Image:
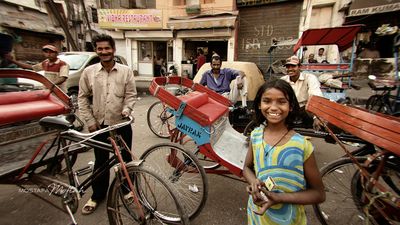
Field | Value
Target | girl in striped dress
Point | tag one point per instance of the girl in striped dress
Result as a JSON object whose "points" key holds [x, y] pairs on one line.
{"points": [[280, 165]]}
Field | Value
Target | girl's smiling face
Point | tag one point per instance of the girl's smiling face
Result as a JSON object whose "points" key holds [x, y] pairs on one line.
{"points": [[274, 106]]}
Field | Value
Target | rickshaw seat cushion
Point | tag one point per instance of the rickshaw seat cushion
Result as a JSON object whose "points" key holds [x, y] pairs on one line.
{"points": [[7, 98], [204, 104], [213, 109], [195, 99], [29, 105]]}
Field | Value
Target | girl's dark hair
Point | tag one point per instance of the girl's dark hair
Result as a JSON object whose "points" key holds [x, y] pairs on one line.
{"points": [[287, 90], [103, 37]]}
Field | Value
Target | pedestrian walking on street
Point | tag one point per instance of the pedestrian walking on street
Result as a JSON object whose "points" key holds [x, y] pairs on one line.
{"points": [[280, 165], [107, 94], [54, 68]]}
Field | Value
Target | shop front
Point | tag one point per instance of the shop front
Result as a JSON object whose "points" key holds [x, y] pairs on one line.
{"points": [[151, 51], [211, 34], [153, 57], [208, 47], [375, 47]]}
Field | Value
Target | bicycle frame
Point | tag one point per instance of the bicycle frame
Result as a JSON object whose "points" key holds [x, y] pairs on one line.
{"points": [[78, 138], [377, 129]]}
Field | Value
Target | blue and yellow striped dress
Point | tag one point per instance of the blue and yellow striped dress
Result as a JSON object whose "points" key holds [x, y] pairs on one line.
{"points": [[285, 165]]}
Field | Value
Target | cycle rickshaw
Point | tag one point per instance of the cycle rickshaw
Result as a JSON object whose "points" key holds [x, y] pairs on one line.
{"points": [[203, 116], [161, 122], [138, 194]]}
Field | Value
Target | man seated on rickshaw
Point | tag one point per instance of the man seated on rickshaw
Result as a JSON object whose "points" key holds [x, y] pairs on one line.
{"points": [[304, 85], [219, 80]]}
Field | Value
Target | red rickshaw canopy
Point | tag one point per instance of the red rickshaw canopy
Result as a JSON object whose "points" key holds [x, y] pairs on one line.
{"points": [[341, 36]]}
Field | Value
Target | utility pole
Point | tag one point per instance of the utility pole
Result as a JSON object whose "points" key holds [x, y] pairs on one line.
{"points": [[87, 19], [64, 24]]}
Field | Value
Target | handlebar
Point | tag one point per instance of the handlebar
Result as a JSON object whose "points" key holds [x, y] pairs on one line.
{"points": [[103, 130]]}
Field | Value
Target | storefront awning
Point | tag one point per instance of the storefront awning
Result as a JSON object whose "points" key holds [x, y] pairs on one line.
{"points": [[341, 36], [202, 23], [368, 7]]}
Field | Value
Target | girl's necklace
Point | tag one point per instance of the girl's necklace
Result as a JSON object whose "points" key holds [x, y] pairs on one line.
{"points": [[273, 146]]}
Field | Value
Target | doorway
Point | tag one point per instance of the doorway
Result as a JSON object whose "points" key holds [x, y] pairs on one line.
{"points": [[153, 58]]}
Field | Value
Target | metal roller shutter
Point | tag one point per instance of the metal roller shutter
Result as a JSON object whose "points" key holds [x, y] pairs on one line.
{"points": [[259, 25]]}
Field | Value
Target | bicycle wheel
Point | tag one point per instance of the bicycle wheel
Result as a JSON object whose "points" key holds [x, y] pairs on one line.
{"points": [[184, 171], [205, 162], [339, 205], [376, 103], [159, 120], [159, 201], [390, 179]]}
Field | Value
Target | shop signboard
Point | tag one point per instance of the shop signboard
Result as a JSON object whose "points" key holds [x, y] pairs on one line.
{"points": [[249, 3], [129, 19], [368, 7]]}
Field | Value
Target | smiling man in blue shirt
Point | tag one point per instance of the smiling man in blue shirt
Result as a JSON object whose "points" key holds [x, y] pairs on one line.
{"points": [[219, 80]]}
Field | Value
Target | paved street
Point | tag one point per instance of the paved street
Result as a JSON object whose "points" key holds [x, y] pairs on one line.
{"points": [[226, 203]]}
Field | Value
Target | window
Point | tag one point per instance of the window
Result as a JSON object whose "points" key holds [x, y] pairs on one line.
{"points": [[146, 50], [94, 15], [179, 2], [125, 4], [138, 4], [39, 3]]}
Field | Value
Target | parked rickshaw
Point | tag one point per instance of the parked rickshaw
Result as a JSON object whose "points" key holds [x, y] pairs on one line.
{"points": [[203, 116], [161, 122], [335, 78], [137, 195]]}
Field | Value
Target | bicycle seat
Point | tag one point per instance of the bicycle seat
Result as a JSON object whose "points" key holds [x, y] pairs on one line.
{"points": [[381, 86], [56, 122]]}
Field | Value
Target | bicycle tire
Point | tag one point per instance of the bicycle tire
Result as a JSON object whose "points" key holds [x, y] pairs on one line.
{"points": [[390, 176], [157, 210], [184, 171], [337, 178], [205, 162], [376, 103], [159, 120]]}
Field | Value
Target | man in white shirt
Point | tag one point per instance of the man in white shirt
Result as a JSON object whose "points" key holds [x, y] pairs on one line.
{"points": [[107, 94], [304, 86], [321, 58]]}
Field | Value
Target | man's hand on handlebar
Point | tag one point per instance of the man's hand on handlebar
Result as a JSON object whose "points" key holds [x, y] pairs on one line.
{"points": [[94, 127], [125, 114]]}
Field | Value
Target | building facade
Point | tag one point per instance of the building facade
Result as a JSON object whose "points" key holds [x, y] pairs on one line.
{"points": [[169, 33], [25, 28]]}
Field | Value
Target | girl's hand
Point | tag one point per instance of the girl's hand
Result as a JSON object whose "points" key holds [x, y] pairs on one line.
{"points": [[273, 198], [254, 190]]}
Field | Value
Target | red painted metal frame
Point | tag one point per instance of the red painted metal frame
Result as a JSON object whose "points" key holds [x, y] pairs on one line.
{"points": [[156, 88], [28, 74], [174, 102]]}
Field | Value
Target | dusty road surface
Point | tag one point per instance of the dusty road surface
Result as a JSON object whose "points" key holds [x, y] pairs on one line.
{"points": [[226, 203]]}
